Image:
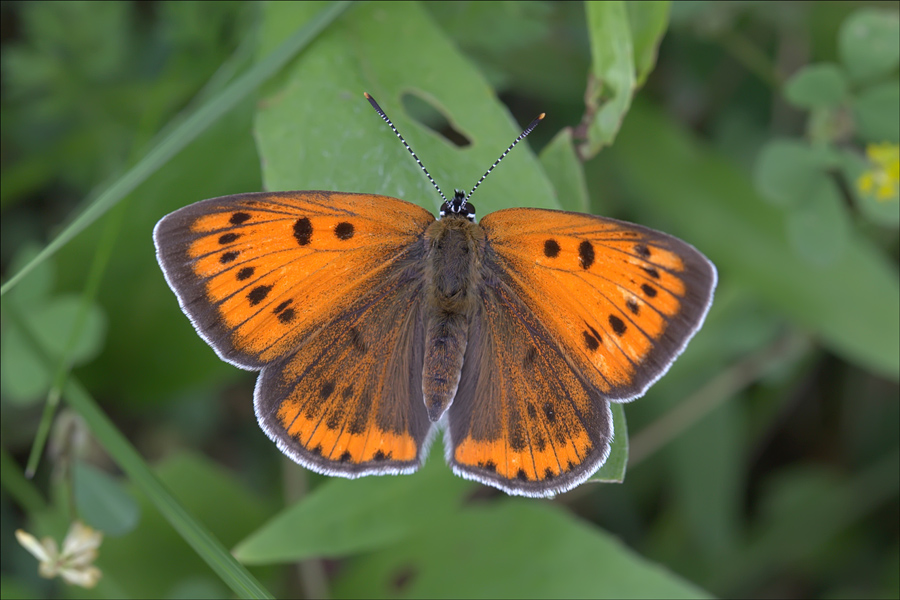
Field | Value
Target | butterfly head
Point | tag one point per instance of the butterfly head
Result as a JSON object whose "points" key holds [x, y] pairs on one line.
{"points": [[458, 207]]}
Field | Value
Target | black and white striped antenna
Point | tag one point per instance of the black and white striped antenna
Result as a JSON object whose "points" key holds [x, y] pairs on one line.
{"points": [[502, 156], [462, 200], [388, 121]]}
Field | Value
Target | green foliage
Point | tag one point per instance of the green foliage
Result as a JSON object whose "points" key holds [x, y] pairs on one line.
{"points": [[805, 177], [764, 463]]}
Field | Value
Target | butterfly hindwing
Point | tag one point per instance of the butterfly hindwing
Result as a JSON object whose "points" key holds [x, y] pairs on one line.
{"points": [[622, 300], [349, 400], [259, 273], [523, 419]]}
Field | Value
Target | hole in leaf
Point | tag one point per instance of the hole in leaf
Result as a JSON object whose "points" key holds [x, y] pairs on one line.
{"points": [[432, 118]]}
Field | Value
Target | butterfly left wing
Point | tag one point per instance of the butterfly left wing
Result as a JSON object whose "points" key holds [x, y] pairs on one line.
{"points": [[349, 401], [319, 290], [622, 300]]}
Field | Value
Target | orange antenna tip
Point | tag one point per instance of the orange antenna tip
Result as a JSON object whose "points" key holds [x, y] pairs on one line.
{"points": [[541, 116]]}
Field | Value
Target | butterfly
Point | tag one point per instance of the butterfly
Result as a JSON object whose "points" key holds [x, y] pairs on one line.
{"points": [[374, 325]]}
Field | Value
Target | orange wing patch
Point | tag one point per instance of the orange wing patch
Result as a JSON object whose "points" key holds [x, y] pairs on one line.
{"points": [[259, 273], [621, 299]]}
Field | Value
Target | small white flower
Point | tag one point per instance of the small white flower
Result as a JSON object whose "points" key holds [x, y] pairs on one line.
{"points": [[74, 564]]}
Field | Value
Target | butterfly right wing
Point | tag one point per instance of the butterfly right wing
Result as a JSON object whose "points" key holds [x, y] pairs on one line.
{"points": [[523, 420]]}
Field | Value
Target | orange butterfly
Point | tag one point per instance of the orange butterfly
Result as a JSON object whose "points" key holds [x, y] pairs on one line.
{"points": [[373, 325]]}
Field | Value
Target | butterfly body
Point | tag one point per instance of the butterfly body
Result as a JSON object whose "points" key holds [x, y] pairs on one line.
{"points": [[455, 247]]}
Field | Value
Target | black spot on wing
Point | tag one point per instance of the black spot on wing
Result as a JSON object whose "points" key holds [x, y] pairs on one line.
{"points": [[283, 306], [488, 465], [228, 238], [258, 294], [649, 290], [551, 248], [633, 306], [618, 325], [303, 231], [228, 257], [245, 273], [239, 218], [586, 254], [344, 231], [651, 272], [287, 316], [642, 250], [590, 342]]}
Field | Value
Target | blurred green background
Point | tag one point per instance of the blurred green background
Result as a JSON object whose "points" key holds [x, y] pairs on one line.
{"points": [[766, 134]]}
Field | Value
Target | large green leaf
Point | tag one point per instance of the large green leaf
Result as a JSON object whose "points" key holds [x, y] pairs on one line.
{"points": [[511, 549], [343, 517], [316, 131]]}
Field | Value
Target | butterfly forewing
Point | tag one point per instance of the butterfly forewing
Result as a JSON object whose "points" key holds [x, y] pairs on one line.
{"points": [[258, 273], [622, 300]]}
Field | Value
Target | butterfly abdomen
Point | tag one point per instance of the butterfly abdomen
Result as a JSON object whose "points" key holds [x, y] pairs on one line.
{"points": [[454, 250]]}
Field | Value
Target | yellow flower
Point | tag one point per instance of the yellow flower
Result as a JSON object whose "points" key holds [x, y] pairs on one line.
{"points": [[73, 564], [882, 179]]}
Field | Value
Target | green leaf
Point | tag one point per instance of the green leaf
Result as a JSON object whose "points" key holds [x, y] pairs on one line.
{"points": [[869, 43], [102, 501], [565, 172], [510, 549], [710, 203], [877, 112], [613, 72], [613, 470], [341, 144], [707, 477], [648, 22], [220, 500], [343, 517], [818, 227], [25, 376], [820, 85], [787, 171]]}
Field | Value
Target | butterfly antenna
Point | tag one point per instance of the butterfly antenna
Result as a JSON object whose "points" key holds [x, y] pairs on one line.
{"points": [[388, 121], [502, 156]]}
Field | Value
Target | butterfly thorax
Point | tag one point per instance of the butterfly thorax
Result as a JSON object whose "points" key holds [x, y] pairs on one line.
{"points": [[454, 250]]}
